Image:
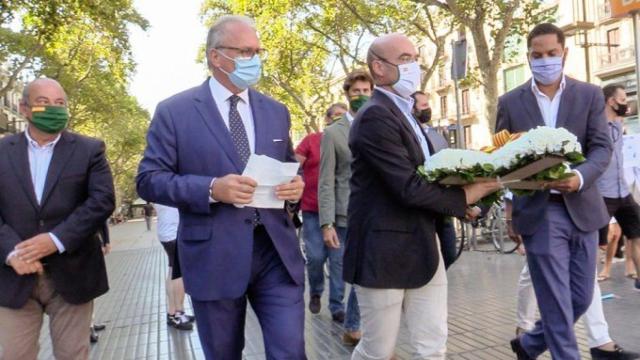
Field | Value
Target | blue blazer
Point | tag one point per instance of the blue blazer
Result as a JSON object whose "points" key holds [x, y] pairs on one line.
{"points": [[582, 113], [188, 145]]}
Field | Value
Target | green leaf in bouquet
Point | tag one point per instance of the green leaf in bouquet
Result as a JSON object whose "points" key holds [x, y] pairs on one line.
{"points": [[575, 157]]}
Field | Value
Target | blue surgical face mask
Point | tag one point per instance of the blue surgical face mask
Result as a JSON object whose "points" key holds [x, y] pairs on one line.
{"points": [[247, 72], [546, 70]]}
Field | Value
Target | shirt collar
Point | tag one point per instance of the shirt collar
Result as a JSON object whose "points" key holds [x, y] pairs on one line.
{"points": [[405, 105], [221, 94], [537, 92], [349, 116], [34, 144]]}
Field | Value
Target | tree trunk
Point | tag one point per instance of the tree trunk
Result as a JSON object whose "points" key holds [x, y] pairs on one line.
{"points": [[491, 100]]}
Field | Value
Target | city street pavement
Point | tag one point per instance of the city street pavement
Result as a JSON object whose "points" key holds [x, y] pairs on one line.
{"points": [[482, 298]]}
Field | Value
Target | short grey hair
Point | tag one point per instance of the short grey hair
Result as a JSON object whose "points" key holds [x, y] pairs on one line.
{"points": [[217, 31]]}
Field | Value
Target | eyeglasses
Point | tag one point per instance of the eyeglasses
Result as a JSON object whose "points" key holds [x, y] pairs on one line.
{"points": [[404, 59], [246, 52]]}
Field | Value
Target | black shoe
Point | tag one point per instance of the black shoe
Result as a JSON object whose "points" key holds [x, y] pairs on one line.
{"points": [[636, 285], [617, 354], [338, 317], [179, 322], [93, 336], [517, 348], [99, 327], [314, 304], [189, 318]]}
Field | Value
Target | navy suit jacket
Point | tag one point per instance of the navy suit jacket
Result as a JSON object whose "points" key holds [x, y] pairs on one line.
{"points": [[392, 210], [77, 200], [582, 113], [188, 145]]}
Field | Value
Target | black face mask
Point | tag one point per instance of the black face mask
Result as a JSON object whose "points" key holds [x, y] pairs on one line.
{"points": [[423, 116], [621, 110]]}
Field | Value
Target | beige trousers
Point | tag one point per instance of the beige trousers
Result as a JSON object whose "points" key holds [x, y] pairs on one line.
{"points": [[68, 325], [425, 312]]}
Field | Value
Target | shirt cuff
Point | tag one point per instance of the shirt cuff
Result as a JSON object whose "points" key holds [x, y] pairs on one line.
{"points": [[211, 199], [11, 254], [56, 241], [508, 195], [581, 179]]}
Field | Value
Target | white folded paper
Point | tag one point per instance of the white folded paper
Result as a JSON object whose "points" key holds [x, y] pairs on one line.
{"points": [[268, 173]]}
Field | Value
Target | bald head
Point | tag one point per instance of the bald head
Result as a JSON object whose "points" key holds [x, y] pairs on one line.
{"points": [[385, 53], [44, 91]]}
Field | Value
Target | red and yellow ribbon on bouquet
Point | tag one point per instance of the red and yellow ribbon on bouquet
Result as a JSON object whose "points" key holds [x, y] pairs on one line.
{"points": [[499, 140]]}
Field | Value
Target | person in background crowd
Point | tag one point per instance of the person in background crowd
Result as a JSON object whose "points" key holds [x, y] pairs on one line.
{"points": [[333, 192], [56, 192], [105, 240], [198, 143], [444, 225], [148, 214], [317, 254], [613, 186], [334, 113], [560, 237], [168, 221]]}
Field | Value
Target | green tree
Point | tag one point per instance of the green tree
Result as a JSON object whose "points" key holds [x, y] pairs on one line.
{"points": [[491, 23]]}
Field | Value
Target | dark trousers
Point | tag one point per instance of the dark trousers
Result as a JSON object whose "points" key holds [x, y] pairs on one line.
{"points": [[447, 235], [277, 301], [562, 263]]}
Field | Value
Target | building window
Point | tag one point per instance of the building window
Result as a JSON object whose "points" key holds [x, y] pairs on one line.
{"points": [[467, 136], [465, 101], [443, 106], [442, 76], [513, 77], [613, 41]]}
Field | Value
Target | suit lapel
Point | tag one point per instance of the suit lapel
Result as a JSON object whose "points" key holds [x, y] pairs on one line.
{"points": [[387, 102], [530, 105], [20, 162], [61, 155], [566, 101], [213, 120], [259, 121]]}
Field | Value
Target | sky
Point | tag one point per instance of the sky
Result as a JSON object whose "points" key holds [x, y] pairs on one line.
{"points": [[166, 53]]}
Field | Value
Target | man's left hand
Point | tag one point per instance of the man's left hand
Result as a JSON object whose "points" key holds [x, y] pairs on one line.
{"points": [[472, 213], [106, 248], [36, 248], [291, 191], [568, 185]]}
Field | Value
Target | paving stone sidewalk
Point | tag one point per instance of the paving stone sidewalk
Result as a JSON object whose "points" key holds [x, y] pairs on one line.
{"points": [[482, 299]]}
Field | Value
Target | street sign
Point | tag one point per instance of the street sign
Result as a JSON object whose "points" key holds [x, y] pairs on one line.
{"points": [[459, 63], [621, 8]]}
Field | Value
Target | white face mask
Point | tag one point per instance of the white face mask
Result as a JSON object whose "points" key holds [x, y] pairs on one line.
{"points": [[409, 78]]}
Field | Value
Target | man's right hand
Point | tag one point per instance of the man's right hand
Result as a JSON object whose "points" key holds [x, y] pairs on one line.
{"points": [[330, 237], [25, 268], [515, 237], [476, 191], [233, 189]]}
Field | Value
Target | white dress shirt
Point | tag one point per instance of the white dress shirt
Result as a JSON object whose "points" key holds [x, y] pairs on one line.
{"points": [[39, 161], [549, 110], [168, 220], [406, 106], [221, 97], [349, 117]]}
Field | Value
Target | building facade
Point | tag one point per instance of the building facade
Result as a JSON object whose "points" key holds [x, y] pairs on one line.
{"points": [[11, 121]]}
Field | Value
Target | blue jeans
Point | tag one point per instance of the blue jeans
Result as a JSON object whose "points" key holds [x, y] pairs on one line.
{"points": [[352, 316], [317, 254]]}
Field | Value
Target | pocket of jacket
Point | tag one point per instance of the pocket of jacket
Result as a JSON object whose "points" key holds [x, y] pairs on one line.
{"points": [[196, 233]]}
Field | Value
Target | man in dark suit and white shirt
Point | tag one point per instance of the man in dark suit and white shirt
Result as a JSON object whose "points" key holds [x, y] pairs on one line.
{"points": [[56, 192], [391, 254], [559, 227]]}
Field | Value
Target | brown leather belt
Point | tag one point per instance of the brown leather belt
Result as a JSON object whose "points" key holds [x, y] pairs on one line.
{"points": [[556, 198]]}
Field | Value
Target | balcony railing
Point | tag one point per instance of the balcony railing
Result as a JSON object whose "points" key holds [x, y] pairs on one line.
{"points": [[616, 57]]}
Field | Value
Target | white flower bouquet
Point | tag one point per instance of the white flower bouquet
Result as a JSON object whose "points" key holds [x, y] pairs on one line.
{"points": [[540, 155]]}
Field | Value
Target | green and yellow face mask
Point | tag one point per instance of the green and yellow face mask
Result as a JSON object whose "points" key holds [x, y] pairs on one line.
{"points": [[49, 119], [356, 102]]}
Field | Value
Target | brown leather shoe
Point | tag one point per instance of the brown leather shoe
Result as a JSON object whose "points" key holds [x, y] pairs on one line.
{"points": [[314, 304], [351, 338]]}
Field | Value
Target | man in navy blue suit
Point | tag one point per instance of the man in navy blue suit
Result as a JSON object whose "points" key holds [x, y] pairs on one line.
{"points": [[560, 226], [199, 142]]}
